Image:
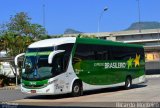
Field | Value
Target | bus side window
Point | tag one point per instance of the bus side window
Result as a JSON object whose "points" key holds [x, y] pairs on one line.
{"points": [[105, 55], [101, 55], [65, 61], [57, 65], [60, 64]]}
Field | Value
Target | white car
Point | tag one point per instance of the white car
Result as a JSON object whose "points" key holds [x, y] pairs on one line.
{"points": [[7, 69]]}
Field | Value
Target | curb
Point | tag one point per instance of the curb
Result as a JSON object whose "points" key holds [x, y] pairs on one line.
{"points": [[152, 76], [10, 88]]}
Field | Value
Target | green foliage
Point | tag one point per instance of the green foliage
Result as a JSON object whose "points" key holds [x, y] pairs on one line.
{"points": [[57, 36], [18, 33], [14, 44], [86, 36], [20, 24], [42, 37], [37, 31], [3, 28]]}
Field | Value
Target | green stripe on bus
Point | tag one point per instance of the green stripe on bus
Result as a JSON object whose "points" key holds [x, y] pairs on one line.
{"points": [[44, 53], [25, 82], [31, 54], [37, 54]]}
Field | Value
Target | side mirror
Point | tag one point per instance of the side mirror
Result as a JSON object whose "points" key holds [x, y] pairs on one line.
{"points": [[52, 55], [16, 58]]}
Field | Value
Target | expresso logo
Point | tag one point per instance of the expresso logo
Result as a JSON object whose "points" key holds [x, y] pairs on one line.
{"points": [[32, 83]]}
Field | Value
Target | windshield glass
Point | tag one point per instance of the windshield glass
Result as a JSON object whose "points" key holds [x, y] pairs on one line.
{"points": [[36, 67]]}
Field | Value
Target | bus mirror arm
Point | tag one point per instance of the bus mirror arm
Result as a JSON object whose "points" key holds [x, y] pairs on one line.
{"points": [[16, 58], [52, 54]]}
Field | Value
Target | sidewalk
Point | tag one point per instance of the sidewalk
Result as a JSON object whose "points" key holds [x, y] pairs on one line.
{"points": [[153, 76]]}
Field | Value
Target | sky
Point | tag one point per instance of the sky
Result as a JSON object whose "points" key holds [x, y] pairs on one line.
{"points": [[82, 15]]}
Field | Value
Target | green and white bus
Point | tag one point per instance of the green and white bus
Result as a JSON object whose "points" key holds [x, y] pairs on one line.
{"points": [[73, 65]]}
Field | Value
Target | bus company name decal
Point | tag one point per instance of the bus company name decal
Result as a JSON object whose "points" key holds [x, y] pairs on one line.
{"points": [[120, 65], [111, 65], [115, 65]]}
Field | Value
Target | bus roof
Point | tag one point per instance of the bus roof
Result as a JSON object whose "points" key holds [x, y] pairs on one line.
{"points": [[65, 40], [52, 42], [105, 42]]}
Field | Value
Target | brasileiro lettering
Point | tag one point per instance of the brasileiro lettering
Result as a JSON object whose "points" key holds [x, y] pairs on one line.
{"points": [[115, 65]]}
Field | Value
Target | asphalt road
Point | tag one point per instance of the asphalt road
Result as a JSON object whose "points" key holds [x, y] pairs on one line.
{"points": [[147, 92]]}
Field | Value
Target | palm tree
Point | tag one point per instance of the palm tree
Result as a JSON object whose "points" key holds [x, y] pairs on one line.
{"points": [[1, 44], [14, 44]]}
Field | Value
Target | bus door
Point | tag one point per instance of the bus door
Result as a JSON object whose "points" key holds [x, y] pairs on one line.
{"points": [[59, 67]]}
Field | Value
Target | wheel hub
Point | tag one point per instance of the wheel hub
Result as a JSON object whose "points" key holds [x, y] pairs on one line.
{"points": [[76, 89]]}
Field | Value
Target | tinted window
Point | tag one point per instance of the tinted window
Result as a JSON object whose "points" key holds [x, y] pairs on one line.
{"points": [[64, 59], [40, 49], [103, 52], [92, 52], [124, 53], [66, 47]]}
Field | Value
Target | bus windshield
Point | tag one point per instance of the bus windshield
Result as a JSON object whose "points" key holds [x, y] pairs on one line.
{"points": [[36, 67]]}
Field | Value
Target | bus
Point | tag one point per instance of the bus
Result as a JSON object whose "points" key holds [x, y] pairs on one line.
{"points": [[74, 64]]}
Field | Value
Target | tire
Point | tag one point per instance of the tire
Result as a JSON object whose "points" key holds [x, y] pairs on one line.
{"points": [[1, 82], [77, 89], [128, 83]]}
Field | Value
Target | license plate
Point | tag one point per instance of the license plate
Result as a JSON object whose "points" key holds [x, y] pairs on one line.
{"points": [[33, 91]]}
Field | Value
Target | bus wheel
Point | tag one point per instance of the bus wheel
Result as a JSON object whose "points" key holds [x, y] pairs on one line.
{"points": [[128, 83], [77, 89]]}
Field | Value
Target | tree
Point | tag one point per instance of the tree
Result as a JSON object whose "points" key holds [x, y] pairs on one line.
{"points": [[18, 33], [14, 44], [37, 31], [1, 44], [20, 24], [3, 28], [44, 37], [86, 36]]}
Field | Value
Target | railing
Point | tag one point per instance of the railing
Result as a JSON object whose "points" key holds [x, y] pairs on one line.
{"points": [[9, 59]]}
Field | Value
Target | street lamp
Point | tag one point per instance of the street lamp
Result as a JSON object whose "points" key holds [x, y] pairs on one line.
{"points": [[44, 16], [158, 35], [105, 9], [139, 16]]}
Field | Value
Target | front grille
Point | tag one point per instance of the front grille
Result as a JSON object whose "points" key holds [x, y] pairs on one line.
{"points": [[34, 86]]}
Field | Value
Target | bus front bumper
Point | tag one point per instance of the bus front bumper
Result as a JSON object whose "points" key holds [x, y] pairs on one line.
{"points": [[49, 89]]}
